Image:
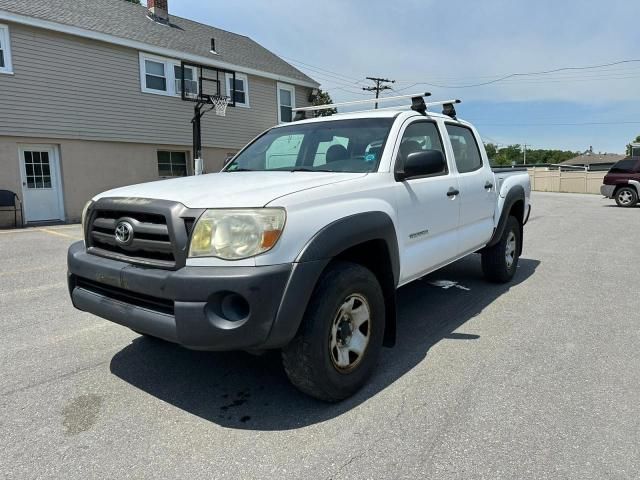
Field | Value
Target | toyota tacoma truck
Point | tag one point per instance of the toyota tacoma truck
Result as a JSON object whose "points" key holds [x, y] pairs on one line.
{"points": [[301, 241]]}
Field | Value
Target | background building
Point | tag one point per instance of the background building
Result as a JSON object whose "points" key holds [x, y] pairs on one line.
{"points": [[89, 98]]}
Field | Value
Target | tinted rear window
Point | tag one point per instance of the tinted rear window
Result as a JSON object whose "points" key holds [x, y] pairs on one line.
{"points": [[624, 166]]}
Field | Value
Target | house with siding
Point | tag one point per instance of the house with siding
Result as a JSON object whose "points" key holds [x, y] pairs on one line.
{"points": [[90, 98]]}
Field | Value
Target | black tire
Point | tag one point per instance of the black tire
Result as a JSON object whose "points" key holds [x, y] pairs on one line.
{"points": [[309, 360], [495, 266], [626, 197]]}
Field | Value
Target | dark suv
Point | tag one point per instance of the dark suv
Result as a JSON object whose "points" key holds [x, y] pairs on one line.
{"points": [[622, 182]]}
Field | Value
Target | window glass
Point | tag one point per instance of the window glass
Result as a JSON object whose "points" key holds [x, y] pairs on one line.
{"points": [[4, 49], [172, 164], [283, 152], [323, 147], [624, 166], [419, 136], [465, 149], [286, 104], [337, 146], [155, 75], [37, 169], [240, 91], [190, 82]]}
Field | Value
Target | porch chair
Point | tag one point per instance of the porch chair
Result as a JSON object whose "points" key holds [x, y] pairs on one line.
{"points": [[8, 200]]}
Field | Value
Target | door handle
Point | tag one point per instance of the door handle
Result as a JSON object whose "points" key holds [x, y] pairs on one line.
{"points": [[453, 192], [488, 185]]}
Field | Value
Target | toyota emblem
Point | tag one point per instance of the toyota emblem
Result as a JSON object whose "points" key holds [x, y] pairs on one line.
{"points": [[124, 233]]}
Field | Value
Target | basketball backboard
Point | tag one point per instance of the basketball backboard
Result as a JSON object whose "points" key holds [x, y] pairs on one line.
{"points": [[200, 83]]}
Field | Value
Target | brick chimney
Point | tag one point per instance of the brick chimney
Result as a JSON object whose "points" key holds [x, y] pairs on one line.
{"points": [[158, 9]]}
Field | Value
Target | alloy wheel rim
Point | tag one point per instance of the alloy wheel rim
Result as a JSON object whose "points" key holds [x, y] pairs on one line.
{"points": [[510, 250], [350, 333], [624, 197]]}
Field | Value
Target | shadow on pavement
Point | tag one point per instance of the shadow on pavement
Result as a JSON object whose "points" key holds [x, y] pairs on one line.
{"points": [[237, 390]]}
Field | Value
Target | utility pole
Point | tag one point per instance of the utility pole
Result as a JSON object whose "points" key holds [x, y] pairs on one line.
{"points": [[379, 86], [524, 145]]}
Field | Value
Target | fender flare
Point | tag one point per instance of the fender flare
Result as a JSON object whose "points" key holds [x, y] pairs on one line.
{"points": [[350, 231], [636, 184], [516, 193], [325, 245]]}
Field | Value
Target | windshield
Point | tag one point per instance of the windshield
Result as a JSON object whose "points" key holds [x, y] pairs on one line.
{"points": [[331, 146]]}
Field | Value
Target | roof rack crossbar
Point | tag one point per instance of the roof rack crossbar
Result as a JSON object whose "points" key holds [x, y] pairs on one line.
{"points": [[359, 102]]}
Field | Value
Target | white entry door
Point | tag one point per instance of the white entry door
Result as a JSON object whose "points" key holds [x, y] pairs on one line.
{"points": [[41, 185]]}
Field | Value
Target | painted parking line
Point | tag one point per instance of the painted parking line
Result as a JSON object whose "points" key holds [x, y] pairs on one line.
{"points": [[60, 234], [25, 270]]}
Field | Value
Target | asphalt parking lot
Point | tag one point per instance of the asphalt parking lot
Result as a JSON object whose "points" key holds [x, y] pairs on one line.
{"points": [[538, 379]]}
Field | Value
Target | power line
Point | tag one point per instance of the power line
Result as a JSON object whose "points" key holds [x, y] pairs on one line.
{"points": [[513, 75], [379, 86]]}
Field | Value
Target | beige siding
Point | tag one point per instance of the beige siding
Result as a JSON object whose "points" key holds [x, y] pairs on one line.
{"points": [[67, 87], [91, 167]]}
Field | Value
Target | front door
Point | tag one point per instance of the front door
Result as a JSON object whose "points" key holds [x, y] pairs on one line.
{"points": [[41, 186], [428, 212]]}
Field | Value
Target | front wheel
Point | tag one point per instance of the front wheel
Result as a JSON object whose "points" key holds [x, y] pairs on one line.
{"points": [[338, 343], [499, 262], [626, 197]]}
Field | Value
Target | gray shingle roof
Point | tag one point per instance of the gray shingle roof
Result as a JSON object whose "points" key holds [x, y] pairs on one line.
{"points": [[594, 159], [129, 21]]}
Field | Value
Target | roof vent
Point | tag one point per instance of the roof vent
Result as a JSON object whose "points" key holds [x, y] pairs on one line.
{"points": [[158, 10], [213, 46]]}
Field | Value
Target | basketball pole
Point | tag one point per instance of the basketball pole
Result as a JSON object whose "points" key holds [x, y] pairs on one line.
{"points": [[197, 139]]}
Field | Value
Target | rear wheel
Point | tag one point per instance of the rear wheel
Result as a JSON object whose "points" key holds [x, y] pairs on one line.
{"points": [[499, 262], [340, 338], [626, 197]]}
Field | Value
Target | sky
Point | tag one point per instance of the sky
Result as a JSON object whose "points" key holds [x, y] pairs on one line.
{"points": [[445, 46]]}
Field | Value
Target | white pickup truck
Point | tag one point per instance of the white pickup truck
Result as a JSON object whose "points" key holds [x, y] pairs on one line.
{"points": [[301, 241]]}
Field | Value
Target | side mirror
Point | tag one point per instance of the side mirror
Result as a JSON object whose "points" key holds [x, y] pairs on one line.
{"points": [[421, 164]]}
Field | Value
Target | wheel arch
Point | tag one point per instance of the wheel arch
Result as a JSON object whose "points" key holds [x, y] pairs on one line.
{"points": [[514, 205], [370, 240]]}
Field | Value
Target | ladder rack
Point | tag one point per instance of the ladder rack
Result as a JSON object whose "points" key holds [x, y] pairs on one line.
{"points": [[417, 103], [360, 102]]}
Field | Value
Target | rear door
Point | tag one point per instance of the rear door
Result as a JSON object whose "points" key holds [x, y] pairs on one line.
{"points": [[477, 189], [428, 213], [41, 183]]}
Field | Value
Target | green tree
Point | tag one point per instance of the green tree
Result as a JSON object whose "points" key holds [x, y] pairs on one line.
{"points": [[492, 150], [323, 98], [637, 140]]}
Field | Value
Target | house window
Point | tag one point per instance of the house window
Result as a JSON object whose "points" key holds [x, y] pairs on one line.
{"points": [[5, 50], [242, 89], [163, 76], [172, 164], [155, 75], [190, 80], [286, 102]]}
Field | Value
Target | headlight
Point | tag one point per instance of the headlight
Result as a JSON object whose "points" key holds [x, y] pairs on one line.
{"points": [[84, 215], [236, 234]]}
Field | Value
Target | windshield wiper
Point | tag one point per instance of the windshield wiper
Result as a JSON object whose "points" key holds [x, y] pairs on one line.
{"points": [[304, 169], [240, 170]]}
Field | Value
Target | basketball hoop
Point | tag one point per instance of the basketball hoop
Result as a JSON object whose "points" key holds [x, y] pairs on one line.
{"points": [[220, 103]]}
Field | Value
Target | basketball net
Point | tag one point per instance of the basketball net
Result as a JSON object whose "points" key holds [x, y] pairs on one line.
{"points": [[220, 103]]}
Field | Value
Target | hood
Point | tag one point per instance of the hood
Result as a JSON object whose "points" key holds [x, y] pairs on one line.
{"points": [[230, 190]]}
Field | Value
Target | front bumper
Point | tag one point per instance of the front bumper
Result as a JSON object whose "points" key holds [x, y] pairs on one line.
{"points": [[204, 308], [607, 190]]}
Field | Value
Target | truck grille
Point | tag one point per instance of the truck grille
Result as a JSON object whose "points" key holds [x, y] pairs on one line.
{"points": [[155, 232]]}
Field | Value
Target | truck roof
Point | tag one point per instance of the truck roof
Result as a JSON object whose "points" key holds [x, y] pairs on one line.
{"points": [[380, 113]]}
